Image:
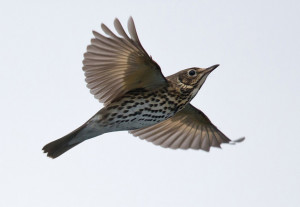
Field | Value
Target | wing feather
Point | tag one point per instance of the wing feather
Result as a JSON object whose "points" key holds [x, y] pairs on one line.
{"points": [[188, 128], [114, 65]]}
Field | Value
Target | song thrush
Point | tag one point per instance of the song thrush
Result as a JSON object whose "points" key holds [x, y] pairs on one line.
{"points": [[137, 97]]}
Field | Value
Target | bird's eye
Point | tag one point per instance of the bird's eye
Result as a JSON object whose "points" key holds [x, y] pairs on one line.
{"points": [[192, 72]]}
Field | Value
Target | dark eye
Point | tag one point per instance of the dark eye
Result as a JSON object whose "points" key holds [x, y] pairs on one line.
{"points": [[192, 72]]}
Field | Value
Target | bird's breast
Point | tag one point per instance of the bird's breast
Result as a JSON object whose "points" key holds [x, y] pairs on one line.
{"points": [[139, 109]]}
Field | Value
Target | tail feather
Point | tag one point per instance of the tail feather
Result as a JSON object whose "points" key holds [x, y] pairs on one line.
{"points": [[60, 146]]}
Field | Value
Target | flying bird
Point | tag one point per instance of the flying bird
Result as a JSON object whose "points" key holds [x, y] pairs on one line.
{"points": [[137, 97]]}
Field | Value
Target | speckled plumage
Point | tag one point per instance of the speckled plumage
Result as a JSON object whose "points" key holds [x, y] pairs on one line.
{"points": [[138, 98], [141, 108]]}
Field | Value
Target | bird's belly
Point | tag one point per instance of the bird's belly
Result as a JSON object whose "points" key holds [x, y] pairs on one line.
{"points": [[135, 116], [148, 118]]}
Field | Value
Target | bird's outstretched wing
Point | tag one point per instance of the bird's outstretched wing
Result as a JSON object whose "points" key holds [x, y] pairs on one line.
{"points": [[189, 128], [114, 65]]}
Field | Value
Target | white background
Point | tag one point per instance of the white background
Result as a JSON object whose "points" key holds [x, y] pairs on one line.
{"points": [[254, 93]]}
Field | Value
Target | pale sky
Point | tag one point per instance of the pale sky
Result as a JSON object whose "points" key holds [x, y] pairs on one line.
{"points": [[254, 93]]}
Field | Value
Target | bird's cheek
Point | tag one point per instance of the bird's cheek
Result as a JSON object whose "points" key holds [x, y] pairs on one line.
{"points": [[187, 81]]}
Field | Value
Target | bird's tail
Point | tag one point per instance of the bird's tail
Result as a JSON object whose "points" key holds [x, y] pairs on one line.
{"points": [[60, 146]]}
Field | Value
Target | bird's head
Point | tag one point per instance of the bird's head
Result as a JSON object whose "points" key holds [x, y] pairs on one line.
{"points": [[190, 80]]}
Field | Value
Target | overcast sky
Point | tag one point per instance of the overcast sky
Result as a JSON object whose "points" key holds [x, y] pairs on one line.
{"points": [[254, 93]]}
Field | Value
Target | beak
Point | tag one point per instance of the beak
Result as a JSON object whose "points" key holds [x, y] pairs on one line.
{"points": [[211, 68]]}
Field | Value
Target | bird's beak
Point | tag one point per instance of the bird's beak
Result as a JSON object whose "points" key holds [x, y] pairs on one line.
{"points": [[211, 68]]}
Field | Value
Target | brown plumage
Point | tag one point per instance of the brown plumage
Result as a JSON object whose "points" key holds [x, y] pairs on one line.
{"points": [[138, 98]]}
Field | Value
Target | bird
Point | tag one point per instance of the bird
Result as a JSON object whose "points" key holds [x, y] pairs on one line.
{"points": [[138, 98]]}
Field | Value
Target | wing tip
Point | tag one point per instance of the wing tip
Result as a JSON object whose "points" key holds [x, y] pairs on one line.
{"points": [[104, 27], [130, 19], [95, 33], [237, 140]]}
